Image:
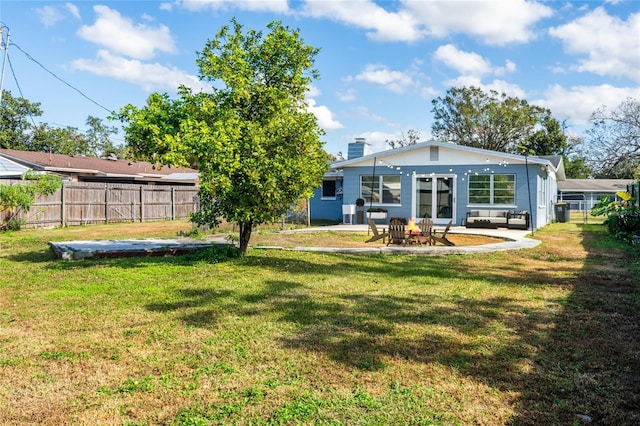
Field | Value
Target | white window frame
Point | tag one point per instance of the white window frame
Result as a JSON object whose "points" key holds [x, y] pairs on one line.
{"points": [[492, 191], [380, 191]]}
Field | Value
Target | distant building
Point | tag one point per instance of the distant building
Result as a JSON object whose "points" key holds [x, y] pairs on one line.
{"points": [[583, 194], [79, 168]]}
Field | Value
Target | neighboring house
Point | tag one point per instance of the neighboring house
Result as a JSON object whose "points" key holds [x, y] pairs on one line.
{"points": [[10, 169], [441, 181], [76, 168], [583, 194]]}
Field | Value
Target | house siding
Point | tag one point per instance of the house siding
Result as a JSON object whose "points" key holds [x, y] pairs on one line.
{"points": [[326, 209], [461, 194], [535, 178]]}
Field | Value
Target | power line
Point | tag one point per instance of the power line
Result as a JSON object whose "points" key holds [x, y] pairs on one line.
{"points": [[18, 86], [60, 79]]}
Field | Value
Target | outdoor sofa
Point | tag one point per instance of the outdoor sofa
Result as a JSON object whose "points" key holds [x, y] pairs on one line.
{"points": [[497, 218]]}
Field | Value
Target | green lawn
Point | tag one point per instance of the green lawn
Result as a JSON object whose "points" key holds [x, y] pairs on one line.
{"points": [[536, 336]]}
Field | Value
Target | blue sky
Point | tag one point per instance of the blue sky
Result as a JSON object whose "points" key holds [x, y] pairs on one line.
{"points": [[381, 62]]}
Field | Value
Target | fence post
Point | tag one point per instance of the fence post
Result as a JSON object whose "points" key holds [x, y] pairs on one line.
{"points": [[141, 203], [106, 203], [63, 206], [173, 203]]}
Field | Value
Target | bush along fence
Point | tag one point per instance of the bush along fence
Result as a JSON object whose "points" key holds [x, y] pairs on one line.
{"points": [[83, 203]]}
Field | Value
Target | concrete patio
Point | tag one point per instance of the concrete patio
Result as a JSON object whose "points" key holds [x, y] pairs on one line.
{"points": [[75, 250]]}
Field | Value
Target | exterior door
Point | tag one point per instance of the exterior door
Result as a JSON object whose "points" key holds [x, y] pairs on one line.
{"points": [[434, 198]]}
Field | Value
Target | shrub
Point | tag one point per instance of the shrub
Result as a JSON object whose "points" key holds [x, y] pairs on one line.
{"points": [[622, 218], [17, 198]]}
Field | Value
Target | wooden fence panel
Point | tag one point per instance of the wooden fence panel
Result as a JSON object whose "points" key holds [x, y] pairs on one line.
{"points": [[184, 200], [123, 203], [82, 203], [156, 203]]}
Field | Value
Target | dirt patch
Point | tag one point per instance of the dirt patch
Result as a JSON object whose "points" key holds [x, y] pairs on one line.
{"points": [[344, 239]]}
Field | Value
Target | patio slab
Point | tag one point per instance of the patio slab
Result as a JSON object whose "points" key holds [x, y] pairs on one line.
{"points": [[75, 250]]}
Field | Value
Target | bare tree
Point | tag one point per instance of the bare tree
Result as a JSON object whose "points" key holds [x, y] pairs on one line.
{"points": [[614, 141], [411, 138]]}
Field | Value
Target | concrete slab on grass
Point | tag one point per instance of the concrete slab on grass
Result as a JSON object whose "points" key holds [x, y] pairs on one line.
{"points": [[74, 250]]}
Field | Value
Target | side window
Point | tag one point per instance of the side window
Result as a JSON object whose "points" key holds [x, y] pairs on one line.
{"points": [[492, 189], [383, 189], [329, 189]]}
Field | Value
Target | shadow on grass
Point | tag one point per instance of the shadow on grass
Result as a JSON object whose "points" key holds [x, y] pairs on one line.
{"points": [[583, 360], [588, 366]]}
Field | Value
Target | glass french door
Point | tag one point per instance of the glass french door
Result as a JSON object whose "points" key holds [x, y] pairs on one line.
{"points": [[434, 198]]}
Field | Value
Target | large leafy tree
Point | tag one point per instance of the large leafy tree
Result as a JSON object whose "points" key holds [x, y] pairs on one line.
{"points": [[469, 116], [57, 140], [98, 137], [19, 131], [548, 138], [255, 144], [614, 141], [16, 121]]}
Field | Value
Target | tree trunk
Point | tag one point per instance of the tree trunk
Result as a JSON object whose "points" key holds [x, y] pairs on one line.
{"points": [[245, 235]]}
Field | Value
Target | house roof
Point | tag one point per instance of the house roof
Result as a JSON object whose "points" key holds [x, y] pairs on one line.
{"points": [[594, 185], [10, 168], [554, 162], [99, 167]]}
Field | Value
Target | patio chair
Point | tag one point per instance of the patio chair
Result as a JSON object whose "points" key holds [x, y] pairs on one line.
{"points": [[426, 230], [397, 234], [443, 237], [376, 234]]}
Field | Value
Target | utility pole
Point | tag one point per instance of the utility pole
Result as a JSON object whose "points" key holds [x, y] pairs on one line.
{"points": [[4, 60]]}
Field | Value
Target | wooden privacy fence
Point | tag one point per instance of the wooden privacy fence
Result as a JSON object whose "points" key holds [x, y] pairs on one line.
{"points": [[83, 203]]}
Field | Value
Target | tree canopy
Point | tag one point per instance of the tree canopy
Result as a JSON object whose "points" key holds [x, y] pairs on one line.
{"points": [[257, 148], [18, 130], [16, 121], [614, 141], [469, 116]]}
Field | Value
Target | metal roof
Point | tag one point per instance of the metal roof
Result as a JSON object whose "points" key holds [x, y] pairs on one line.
{"points": [[594, 185]]}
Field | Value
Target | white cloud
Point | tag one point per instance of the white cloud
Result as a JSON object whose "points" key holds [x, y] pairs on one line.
{"points": [[384, 25], [509, 67], [495, 22], [577, 103], [396, 81], [73, 10], [313, 91], [49, 15], [471, 66], [325, 117], [509, 89], [150, 76], [346, 96], [122, 37], [466, 63], [277, 6], [612, 46]]}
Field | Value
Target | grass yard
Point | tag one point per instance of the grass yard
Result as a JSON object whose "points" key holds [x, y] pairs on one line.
{"points": [[541, 336]]}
